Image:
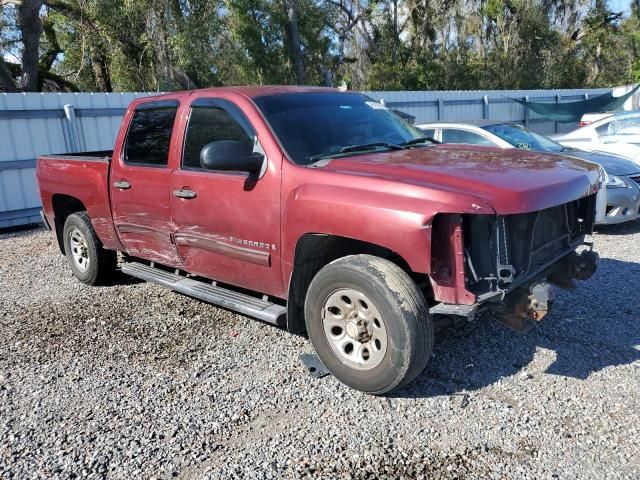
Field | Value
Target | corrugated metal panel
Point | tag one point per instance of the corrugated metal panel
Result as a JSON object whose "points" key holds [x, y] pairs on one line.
{"points": [[476, 105], [33, 124]]}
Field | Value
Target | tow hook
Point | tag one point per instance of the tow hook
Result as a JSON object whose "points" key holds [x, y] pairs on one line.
{"points": [[524, 307]]}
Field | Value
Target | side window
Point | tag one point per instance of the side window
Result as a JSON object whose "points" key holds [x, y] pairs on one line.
{"points": [[209, 124], [621, 126], [452, 135], [149, 135], [429, 132]]}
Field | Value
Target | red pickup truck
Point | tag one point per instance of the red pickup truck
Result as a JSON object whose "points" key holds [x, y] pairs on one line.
{"points": [[325, 212]]}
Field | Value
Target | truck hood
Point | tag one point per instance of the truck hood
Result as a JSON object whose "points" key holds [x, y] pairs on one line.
{"points": [[511, 181]]}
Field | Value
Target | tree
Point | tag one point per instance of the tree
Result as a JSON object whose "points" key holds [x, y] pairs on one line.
{"points": [[145, 45]]}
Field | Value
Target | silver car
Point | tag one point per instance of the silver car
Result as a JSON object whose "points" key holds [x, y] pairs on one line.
{"points": [[621, 201], [618, 134]]}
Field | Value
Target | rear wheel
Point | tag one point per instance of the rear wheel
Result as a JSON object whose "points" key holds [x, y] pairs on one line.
{"points": [[369, 323], [89, 262]]}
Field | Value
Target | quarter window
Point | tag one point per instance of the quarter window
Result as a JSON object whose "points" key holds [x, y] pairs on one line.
{"points": [[149, 135], [429, 132], [210, 124], [450, 135]]}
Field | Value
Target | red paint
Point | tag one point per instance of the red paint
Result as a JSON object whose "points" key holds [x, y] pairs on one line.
{"points": [[245, 233]]}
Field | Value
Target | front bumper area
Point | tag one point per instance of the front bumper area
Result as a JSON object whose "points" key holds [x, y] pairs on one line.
{"points": [[512, 263], [521, 308], [527, 305], [623, 204]]}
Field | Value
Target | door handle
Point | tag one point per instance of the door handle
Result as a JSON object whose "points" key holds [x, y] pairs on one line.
{"points": [[184, 193], [122, 185]]}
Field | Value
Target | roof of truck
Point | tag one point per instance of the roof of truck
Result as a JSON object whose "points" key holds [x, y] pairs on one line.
{"points": [[248, 91]]}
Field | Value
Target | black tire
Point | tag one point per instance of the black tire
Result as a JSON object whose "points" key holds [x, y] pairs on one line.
{"points": [[408, 325], [101, 264]]}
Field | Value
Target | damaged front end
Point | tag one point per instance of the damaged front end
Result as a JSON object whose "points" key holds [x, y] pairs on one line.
{"points": [[512, 263]]}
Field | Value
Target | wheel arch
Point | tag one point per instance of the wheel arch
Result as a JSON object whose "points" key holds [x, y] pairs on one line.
{"points": [[313, 251], [63, 206]]}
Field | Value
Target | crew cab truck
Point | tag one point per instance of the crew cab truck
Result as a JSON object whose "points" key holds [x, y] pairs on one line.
{"points": [[323, 211]]}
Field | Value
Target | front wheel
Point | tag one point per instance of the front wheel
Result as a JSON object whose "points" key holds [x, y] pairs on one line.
{"points": [[369, 323], [89, 262]]}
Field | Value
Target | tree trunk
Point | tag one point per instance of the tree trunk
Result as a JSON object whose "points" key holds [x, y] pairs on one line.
{"points": [[49, 57], [7, 84], [294, 40], [100, 64], [28, 21]]}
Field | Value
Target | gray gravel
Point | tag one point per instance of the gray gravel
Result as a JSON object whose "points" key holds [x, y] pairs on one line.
{"points": [[134, 381]]}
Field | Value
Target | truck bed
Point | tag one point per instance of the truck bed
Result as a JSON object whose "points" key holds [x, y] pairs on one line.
{"points": [[81, 177], [100, 155]]}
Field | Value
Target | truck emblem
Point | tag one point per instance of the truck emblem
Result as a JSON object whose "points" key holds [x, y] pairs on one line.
{"points": [[254, 244]]}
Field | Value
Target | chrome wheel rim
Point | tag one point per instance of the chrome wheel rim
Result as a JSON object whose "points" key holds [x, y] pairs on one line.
{"points": [[354, 329], [79, 249]]}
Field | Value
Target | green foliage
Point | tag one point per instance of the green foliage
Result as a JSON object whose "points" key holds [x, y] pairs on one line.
{"points": [[126, 45]]}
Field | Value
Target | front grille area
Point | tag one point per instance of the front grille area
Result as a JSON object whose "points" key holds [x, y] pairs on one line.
{"points": [[503, 251], [636, 179]]}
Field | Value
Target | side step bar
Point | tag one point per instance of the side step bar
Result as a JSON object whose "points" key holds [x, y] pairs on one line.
{"points": [[240, 302]]}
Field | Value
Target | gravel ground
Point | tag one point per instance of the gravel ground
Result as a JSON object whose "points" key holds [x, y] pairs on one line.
{"points": [[134, 381]]}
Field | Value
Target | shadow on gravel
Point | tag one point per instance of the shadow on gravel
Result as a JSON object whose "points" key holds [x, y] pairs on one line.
{"points": [[120, 278], [620, 229], [595, 327]]}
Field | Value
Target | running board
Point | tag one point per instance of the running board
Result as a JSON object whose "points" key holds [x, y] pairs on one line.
{"points": [[254, 307]]}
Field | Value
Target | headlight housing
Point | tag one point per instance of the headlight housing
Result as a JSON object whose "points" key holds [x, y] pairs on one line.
{"points": [[613, 181]]}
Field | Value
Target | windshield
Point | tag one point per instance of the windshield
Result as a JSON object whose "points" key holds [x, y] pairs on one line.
{"points": [[313, 125], [523, 138]]}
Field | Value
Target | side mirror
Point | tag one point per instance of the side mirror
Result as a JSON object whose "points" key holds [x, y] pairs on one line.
{"points": [[230, 155]]}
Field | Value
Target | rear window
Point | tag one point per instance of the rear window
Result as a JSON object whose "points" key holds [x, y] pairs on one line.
{"points": [[149, 134]]}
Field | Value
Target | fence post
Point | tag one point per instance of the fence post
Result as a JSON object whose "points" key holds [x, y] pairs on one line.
{"points": [[440, 108], [485, 107], [555, 124], [70, 117], [526, 111]]}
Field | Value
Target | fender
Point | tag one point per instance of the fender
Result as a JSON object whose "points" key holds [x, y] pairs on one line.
{"points": [[396, 217]]}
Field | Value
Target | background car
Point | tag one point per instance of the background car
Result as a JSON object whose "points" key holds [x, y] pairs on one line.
{"points": [[589, 118], [618, 134], [619, 201]]}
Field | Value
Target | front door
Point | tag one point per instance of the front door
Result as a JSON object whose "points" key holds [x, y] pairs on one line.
{"points": [[227, 224], [140, 185]]}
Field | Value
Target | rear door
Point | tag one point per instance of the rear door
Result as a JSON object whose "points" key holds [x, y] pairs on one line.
{"points": [[227, 223], [140, 184]]}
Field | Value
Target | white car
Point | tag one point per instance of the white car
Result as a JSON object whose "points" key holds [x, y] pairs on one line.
{"points": [[618, 134], [589, 118], [618, 202]]}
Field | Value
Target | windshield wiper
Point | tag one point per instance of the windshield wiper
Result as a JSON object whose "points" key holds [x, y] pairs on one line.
{"points": [[368, 146], [364, 147], [419, 140]]}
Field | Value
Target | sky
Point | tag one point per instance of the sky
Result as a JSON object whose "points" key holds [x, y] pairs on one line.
{"points": [[620, 5]]}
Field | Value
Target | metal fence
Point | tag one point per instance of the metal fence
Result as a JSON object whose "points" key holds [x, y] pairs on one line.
{"points": [[491, 104], [33, 124]]}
